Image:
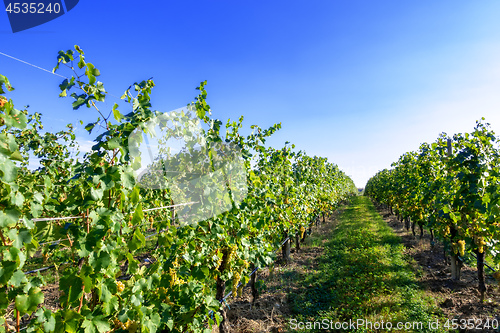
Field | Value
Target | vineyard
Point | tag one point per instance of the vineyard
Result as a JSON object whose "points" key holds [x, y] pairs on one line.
{"points": [[129, 254], [452, 189], [171, 215]]}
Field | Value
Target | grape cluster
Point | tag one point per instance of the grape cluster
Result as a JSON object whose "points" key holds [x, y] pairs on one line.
{"points": [[167, 300], [480, 244], [232, 253], [302, 231], [461, 247], [237, 291], [174, 279], [131, 326], [219, 262], [446, 231], [120, 287], [234, 282]]}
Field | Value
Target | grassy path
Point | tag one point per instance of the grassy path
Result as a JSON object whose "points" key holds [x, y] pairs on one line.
{"points": [[363, 275]]}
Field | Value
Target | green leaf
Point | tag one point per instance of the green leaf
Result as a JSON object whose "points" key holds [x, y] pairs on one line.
{"points": [[114, 143], [138, 216], [96, 193], [127, 179], [111, 306], [69, 319], [88, 326], [455, 217], [50, 325], [134, 195], [90, 126], [8, 170], [79, 100], [133, 264], [20, 237], [5, 82], [28, 303], [7, 269], [47, 318], [15, 119], [104, 293], [116, 113], [138, 240], [102, 262], [101, 324], [81, 62], [9, 218], [17, 199], [18, 278], [16, 156], [72, 286], [85, 275]]}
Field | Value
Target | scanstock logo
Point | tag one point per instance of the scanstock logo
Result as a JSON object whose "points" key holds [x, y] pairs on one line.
{"points": [[28, 14]]}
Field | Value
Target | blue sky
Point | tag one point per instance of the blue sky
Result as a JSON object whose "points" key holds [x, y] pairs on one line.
{"points": [[359, 82]]}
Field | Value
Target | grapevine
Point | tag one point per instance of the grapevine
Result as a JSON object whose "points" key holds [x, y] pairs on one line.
{"points": [[452, 188]]}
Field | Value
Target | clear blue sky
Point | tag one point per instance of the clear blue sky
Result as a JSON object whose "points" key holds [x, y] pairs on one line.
{"points": [[360, 82]]}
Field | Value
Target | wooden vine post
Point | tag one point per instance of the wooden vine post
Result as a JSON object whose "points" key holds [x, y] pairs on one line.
{"points": [[297, 241], [285, 248], [480, 273], [456, 264], [18, 323], [306, 232], [253, 279], [220, 292]]}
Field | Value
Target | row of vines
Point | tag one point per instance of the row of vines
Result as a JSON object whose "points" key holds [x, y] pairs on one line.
{"points": [[452, 188], [91, 222]]}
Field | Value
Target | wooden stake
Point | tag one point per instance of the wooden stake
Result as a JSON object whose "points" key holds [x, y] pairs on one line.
{"points": [[220, 291], [253, 279], [88, 222], [18, 319], [285, 249], [81, 299], [297, 242], [480, 274]]}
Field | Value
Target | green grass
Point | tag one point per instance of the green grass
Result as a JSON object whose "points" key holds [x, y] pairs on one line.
{"points": [[363, 274]]}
